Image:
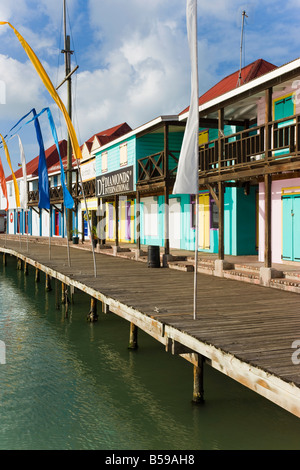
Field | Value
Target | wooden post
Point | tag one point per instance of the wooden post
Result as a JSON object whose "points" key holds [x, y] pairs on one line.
{"points": [[92, 315], [4, 259], [268, 223], [19, 264], [138, 220], [57, 303], [268, 119], [117, 220], [220, 137], [221, 221], [37, 275], [133, 336], [166, 189], [48, 283], [25, 268], [198, 392], [63, 293]]}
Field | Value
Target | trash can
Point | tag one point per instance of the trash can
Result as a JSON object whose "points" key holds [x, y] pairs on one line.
{"points": [[153, 257]]}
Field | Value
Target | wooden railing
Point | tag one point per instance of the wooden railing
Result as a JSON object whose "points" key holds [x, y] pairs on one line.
{"points": [[247, 148], [152, 168], [56, 194]]}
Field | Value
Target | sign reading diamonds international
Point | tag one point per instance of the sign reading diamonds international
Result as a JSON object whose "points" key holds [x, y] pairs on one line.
{"points": [[116, 182]]}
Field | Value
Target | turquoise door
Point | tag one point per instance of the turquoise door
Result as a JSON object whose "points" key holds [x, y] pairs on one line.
{"points": [[291, 228]]}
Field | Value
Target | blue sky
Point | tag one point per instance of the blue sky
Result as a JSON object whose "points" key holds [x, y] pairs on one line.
{"points": [[133, 57]]}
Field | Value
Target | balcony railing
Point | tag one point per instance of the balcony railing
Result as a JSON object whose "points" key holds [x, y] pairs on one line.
{"points": [[256, 146], [56, 195], [153, 169]]}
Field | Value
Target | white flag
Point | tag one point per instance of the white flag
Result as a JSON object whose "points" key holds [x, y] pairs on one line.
{"points": [[23, 195], [187, 172]]}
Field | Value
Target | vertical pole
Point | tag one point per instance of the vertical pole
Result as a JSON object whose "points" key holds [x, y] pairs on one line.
{"points": [[221, 221], [220, 137], [268, 119], [63, 293], [37, 275], [133, 344], [117, 220], [48, 283], [67, 51], [93, 316], [25, 268], [166, 189], [138, 220], [4, 259], [268, 224], [196, 255], [198, 391], [268, 179]]}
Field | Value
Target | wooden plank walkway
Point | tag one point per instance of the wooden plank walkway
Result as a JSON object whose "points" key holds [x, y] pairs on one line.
{"points": [[244, 330]]}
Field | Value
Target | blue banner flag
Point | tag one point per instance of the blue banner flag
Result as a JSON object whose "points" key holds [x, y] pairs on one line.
{"points": [[43, 173]]}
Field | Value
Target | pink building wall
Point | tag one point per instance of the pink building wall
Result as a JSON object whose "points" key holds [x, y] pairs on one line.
{"points": [[276, 217]]}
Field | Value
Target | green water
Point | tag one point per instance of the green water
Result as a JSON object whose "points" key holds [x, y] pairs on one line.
{"points": [[70, 384]]}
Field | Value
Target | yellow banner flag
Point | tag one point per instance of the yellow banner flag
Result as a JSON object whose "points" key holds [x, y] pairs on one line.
{"points": [[48, 84], [17, 193]]}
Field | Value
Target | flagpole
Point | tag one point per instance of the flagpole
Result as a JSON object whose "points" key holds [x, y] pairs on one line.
{"points": [[196, 255], [187, 178]]}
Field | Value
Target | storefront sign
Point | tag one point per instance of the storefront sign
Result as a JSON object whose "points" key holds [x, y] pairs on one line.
{"points": [[116, 182], [88, 170]]}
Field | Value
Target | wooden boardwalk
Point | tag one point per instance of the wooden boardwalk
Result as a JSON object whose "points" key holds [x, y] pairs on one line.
{"points": [[244, 330]]}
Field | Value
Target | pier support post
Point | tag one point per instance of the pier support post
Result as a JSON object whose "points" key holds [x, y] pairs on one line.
{"points": [[25, 268], [133, 344], [92, 315], [48, 283], [63, 293], [4, 259], [198, 392], [19, 264], [37, 275], [57, 304]]}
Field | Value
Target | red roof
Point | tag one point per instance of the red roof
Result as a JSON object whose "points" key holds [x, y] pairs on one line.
{"points": [[52, 159], [109, 134], [229, 83]]}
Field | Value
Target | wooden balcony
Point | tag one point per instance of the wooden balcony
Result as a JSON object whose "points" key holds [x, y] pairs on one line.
{"points": [[56, 195], [270, 148], [276, 145], [154, 168]]}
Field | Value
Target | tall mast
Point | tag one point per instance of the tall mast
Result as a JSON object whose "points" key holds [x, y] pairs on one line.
{"points": [[67, 51], [241, 47]]}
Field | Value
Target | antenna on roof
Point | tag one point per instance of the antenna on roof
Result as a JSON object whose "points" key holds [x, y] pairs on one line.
{"points": [[241, 48]]}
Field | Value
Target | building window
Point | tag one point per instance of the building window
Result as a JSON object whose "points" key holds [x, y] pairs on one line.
{"points": [[123, 155], [104, 162]]}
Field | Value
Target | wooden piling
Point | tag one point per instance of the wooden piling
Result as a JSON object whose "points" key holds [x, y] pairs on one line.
{"points": [[19, 264], [25, 268], [57, 302], [92, 315], [37, 275], [198, 392], [63, 293], [133, 344], [4, 259], [48, 283]]}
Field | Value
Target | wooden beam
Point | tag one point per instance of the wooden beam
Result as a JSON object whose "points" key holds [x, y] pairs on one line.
{"points": [[214, 195], [268, 119], [138, 220], [117, 220], [268, 224], [221, 221], [133, 344]]}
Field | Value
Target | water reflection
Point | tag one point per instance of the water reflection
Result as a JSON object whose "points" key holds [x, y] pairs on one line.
{"points": [[70, 384]]}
